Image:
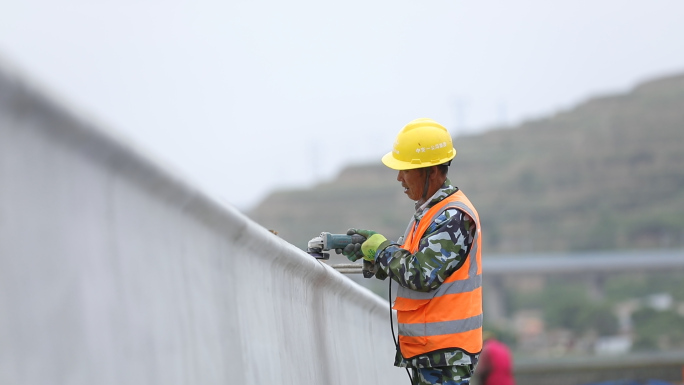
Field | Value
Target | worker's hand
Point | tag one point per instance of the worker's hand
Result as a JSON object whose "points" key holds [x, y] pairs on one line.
{"points": [[371, 246], [353, 250], [364, 233]]}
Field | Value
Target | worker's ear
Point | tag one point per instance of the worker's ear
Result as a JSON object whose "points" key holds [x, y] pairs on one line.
{"points": [[434, 172]]}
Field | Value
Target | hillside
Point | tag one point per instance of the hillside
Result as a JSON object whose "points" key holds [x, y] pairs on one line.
{"points": [[607, 174]]}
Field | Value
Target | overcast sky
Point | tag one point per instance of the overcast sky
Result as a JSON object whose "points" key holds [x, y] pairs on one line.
{"points": [[243, 97]]}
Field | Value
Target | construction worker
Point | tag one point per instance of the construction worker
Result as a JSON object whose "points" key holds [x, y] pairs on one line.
{"points": [[437, 263]]}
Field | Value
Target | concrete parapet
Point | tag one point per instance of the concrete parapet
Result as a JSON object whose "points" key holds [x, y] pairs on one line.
{"points": [[114, 270]]}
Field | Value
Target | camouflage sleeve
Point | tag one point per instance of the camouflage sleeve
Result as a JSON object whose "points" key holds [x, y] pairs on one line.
{"points": [[441, 252]]}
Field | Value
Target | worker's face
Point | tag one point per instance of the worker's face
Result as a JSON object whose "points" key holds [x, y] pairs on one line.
{"points": [[413, 182]]}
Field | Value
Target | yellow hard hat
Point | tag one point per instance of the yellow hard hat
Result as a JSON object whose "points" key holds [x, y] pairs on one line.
{"points": [[421, 143]]}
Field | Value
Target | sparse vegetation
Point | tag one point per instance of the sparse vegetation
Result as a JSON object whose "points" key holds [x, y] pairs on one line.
{"points": [[608, 174]]}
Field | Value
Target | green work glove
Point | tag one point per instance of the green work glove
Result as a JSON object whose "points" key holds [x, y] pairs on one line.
{"points": [[353, 250], [370, 247]]}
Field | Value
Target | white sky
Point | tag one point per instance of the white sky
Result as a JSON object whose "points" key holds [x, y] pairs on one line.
{"points": [[243, 97]]}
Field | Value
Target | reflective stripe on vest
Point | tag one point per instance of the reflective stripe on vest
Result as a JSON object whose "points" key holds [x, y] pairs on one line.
{"points": [[451, 315]]}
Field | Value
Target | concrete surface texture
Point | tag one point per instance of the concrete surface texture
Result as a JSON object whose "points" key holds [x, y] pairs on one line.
{"points": [[114, 270]]}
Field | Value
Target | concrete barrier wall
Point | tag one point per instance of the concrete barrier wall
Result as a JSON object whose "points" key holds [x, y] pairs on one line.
{"points": [[115, 271]]}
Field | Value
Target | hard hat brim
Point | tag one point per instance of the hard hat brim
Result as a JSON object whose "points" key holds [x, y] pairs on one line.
{"points": [[390, 161]]}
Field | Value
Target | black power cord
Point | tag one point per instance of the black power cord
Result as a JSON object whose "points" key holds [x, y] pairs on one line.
{"points": [[394, 337]]}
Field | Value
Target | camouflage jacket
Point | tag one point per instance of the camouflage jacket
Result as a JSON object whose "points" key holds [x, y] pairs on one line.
{"points": [[442, 250]]}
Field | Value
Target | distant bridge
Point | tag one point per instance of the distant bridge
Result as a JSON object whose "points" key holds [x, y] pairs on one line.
{"points": [[583, 263], [664, 366], [590, 267], [570, 263]]}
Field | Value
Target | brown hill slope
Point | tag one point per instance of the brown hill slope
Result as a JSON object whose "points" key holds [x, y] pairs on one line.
{"points": [[607, 174]]}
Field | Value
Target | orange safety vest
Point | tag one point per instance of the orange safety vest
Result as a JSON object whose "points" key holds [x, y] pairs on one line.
{"points": [[451, 315]]}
